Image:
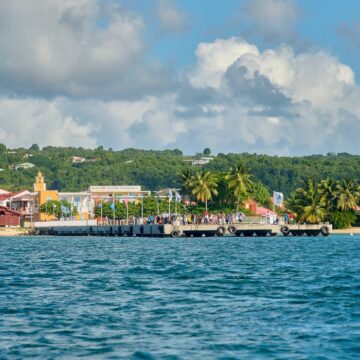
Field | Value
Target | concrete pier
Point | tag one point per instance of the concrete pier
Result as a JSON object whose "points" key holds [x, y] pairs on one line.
{"points": [[177, 230]]}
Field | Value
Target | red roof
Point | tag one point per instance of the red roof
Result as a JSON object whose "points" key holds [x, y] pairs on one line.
{"points": [[11, 194], [5, 196], [258, 210], [264, 211], [9, 211]]}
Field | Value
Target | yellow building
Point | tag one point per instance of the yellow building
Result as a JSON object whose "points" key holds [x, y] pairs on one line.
{"points": [[43, 195]]}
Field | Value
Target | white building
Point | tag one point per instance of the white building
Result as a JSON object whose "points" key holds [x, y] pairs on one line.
{"points": [[110, 192], [78, 159], [25, 165], [82, 201]]}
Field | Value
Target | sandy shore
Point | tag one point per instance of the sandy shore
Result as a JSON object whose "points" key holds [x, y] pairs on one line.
{"points": [[353, 230], [14, 231]]}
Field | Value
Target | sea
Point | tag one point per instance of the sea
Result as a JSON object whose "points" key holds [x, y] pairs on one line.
{"points": [[186, 298]]}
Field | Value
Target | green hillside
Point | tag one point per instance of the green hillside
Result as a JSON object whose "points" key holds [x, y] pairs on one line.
{"points": [[159, 169]]}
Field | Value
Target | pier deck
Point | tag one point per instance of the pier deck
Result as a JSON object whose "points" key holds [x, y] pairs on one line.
{"points": [[177, 230]]}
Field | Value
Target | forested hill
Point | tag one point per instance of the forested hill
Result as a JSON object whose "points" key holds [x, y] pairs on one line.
{"points": [[158, 169]]}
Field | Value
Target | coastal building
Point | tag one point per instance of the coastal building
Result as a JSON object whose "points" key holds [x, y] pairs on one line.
{"points": [[27, 204], [82, 201], [24, 203], [269, 215], [9, 217], [4, 195], [120, 192], [42, 196]]}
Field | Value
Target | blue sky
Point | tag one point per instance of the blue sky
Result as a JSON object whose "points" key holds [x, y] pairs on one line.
{"points": [[265, 76], [319, 24]]}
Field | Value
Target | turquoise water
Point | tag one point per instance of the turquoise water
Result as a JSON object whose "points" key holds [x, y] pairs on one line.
{"points": [[207, 298]]}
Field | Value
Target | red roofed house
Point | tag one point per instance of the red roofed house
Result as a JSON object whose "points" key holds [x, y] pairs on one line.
{"points": [[21, 202], [4, 197], [268, 215], [24, 203], [9, 217]]}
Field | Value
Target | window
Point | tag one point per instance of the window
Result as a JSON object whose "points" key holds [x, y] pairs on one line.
{"points": [[77, 202]]}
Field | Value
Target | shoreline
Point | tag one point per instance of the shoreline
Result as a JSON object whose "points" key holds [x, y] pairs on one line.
{"points": [[352, 230], [13, 231]]}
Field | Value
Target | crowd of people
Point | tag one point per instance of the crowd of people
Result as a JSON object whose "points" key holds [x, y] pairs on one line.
{"points": [[220, 218], [191, 218], [185, 219]]}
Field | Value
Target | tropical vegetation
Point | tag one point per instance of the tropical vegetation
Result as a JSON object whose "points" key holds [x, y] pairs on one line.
{"points": [[59, 209], [155, 170], [222, 184], [239, 181], [204, 186], [328, 200]]}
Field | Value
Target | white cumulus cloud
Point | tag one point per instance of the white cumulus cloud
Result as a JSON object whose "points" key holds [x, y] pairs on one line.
{"points": [[72, 48], [74, 74], [275, 100], [27, 121]]}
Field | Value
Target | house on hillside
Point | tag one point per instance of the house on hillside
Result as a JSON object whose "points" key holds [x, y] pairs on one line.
{"points": [[78, 159], [203, 160], [24, 165]]}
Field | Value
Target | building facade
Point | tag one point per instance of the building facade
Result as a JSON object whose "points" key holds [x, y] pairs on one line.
{"points": [[42, 196], [28, 204], [116, 193], [9, 217], [82, 201]]}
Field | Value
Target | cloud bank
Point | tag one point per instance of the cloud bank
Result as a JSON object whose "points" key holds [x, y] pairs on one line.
{"points": [[77, 74]]}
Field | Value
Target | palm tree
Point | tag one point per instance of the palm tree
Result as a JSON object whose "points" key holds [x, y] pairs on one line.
{"points": [[204, 186], [307, 203], [313, 213], [239, 181], [348, 194], [328, 192], [186, 177]]}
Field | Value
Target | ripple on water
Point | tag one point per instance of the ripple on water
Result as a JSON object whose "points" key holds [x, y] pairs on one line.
{"points": [[225, 298]]}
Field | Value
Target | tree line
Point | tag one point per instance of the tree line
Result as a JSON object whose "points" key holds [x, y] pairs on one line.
{"points": [[154, 170], [330, 200]]}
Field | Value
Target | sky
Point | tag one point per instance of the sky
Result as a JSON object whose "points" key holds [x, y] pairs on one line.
{"points": [[278, 77]]}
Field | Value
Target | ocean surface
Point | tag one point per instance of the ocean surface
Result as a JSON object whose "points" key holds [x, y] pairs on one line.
{"points": [[206, 298]]}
